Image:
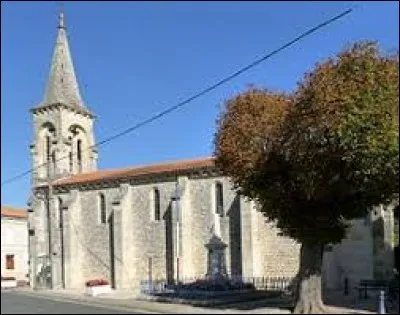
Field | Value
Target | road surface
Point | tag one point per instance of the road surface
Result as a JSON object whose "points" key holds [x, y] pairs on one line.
{"points": [[19, 303]]}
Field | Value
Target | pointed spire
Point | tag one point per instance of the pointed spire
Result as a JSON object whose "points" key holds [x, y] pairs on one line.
{"points": [[62, 85]]}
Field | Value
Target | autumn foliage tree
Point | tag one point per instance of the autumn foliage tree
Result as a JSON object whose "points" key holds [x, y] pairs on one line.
{"points": [[319, 157]]}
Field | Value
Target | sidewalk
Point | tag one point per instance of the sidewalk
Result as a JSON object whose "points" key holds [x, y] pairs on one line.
{"points": [[337, 297], [132, 301]]}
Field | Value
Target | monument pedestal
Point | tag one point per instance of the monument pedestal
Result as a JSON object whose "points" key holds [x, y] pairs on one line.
{"points": [[216, 264]]}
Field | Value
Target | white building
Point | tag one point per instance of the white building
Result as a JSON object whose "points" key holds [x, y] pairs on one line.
{"points": [[14, 243]]}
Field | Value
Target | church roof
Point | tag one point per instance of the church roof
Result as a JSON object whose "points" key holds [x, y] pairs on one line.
{"points": [[10, 212], [169, 167], [62, 86]]}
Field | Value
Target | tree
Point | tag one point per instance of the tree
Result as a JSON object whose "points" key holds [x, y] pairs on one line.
{"points": [[317, 158]]}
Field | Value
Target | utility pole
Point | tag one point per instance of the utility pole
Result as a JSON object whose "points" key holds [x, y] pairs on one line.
{"points": [[178, 248], [49, 195]]}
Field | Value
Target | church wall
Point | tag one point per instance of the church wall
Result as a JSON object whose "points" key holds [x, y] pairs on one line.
{"points": [[150, 236], [279, 254], [265, 253], [187, 219], [244, 230], [202, 209], [94, 235], [74, 242], [382, 222], [38, 219], [351, 259], [151, 243], [145, 238]]}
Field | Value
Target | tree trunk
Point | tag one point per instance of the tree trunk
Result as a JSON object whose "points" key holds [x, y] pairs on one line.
{"points": [[308, 293]]}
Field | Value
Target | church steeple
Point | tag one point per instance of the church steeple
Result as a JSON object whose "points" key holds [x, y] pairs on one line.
{"points": [[63, 127], [62, 86]]}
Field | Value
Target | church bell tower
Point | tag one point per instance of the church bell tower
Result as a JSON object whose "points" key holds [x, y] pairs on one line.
{"points": [[63, 126]]}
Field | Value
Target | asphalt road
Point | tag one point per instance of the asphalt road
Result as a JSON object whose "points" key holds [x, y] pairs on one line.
{"points": [[17, 303]]}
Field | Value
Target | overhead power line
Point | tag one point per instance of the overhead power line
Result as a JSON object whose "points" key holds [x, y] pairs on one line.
{"points": [[199, 94]]}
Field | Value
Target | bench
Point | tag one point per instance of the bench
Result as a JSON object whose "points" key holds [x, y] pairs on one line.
{"points": [[373, 285]]}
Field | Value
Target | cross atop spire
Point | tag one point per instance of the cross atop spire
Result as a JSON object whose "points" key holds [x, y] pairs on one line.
{"points": [[62, 85], [61, 20], [61, 16]]}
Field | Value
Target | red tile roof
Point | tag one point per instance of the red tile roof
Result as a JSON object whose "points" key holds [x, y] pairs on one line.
{"points": [[10, 212], [176, 166]]}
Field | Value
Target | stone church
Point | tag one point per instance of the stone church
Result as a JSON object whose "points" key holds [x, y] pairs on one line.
{"points": [[156, 221]]}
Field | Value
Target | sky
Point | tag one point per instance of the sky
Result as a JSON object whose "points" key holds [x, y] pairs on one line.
{"points": [[135, 59]]}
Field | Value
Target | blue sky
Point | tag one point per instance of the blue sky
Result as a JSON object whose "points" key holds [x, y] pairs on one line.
{"points": [[134, 59]]}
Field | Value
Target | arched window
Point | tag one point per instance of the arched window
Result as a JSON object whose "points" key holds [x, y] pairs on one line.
{"points": [[70, 162], [53, 161], [47, 154], [47, 148], [156, 200], [219, 199], [79, 154], [102, 204], [60, 216]]}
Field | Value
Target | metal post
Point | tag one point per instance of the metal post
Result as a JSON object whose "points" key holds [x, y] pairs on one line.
{"points": [[48, 198], [31, 249], [382, 309], [178, 246], [30, 259], [61, 225], [150, 266], [177, 270]]}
